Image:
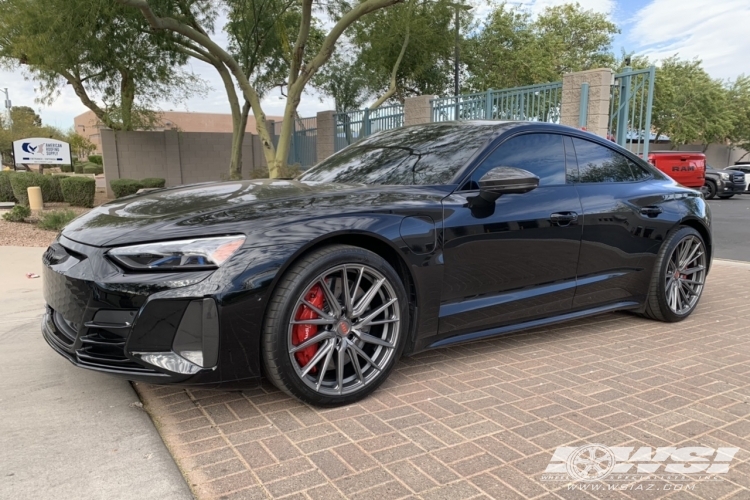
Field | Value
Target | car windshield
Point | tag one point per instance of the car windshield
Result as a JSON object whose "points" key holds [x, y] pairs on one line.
{"points": [[430, 154]]}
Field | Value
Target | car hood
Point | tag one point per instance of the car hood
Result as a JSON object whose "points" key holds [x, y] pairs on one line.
{"points": [[229, 207]]}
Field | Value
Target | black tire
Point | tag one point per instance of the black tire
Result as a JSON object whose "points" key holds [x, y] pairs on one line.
{"points": [[657, 306], [725, 196], [285, 303], [709, 190]]}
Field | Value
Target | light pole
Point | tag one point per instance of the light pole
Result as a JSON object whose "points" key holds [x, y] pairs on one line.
{"points": [[456, 62], [8, 106]]}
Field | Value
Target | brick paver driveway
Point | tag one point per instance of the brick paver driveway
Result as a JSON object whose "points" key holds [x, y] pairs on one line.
{"points": [[483, 420]]}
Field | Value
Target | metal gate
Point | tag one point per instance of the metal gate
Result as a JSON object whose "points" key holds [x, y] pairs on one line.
{"points": [[354, 125], [539, 103], [630, 109]]}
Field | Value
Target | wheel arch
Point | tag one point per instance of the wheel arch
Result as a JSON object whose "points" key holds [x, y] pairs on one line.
{"points": [[703, 231], [373, 242]]}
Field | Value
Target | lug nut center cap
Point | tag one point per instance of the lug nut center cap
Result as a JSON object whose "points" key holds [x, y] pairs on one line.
{"points": [[344, 327]]}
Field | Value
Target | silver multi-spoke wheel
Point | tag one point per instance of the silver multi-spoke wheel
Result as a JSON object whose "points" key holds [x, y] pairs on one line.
{"points": [[685, 275], [344, 329]]}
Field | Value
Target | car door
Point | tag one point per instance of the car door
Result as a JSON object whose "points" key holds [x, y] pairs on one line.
{"points": [[514, 260], [625, 219]]}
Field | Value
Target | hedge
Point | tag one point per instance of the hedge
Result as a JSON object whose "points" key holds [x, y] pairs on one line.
{"points": [[93, 169], [66, 168], [21, 181], [125, 187], [56, 192], [6, 190], [79, 191], [78, 168], [153, 182], [96, 159]]}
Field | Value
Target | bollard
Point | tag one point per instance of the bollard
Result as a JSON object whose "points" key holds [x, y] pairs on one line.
{"points": [[35, 198]]}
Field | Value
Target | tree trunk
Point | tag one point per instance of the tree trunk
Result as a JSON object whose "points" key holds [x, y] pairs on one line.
{"points": [[238, 125], [127, 96]]}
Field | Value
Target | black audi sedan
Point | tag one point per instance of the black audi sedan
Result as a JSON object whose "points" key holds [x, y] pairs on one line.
{"points": [[411, 239]]}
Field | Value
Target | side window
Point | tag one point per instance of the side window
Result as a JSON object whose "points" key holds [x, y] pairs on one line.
{"points": [[541, 154], [600, 164]]}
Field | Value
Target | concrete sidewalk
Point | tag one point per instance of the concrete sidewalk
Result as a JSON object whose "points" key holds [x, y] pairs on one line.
{"points": [[67, 433]]}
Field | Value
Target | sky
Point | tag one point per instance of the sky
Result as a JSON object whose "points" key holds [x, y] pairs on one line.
{"points": [[714, 31]]}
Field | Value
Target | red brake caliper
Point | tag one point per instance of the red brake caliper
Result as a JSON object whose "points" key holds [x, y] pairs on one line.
{"points": [[301, 333]]}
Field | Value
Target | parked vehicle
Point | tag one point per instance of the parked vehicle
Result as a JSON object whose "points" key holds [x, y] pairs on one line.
{"points": [[411, 239], [686, 167], [723, 183], [743, 167]]}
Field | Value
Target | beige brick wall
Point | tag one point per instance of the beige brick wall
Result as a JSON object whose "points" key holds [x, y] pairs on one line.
{"points": [[418, 109], [599, 81]]}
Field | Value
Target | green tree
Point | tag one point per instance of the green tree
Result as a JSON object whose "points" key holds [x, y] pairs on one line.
{"points": [[79, 145], [574, 39], [24, 117], [503, 52], [689, 106], [101, 50], [181, 19], [510, 48], [404, 50], [738, 96]]}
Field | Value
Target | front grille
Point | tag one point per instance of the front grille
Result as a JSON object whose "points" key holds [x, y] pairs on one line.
{"points": [[96, 345], [104, 349], [738, 178]]}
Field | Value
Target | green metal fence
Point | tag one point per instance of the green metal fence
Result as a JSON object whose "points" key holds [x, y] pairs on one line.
{"points": [[630, 109], [303, 149], [354, 125], [529, 103]]}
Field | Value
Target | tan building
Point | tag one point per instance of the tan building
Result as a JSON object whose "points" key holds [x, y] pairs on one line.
{"points": [[88, 125]]}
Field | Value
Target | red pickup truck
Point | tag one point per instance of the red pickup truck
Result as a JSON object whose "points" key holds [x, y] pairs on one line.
{"points": [[686, 167]]}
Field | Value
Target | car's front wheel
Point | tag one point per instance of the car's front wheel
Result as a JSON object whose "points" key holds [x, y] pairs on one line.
{"points": [[335, 326], [709, 190], [679, 276]]}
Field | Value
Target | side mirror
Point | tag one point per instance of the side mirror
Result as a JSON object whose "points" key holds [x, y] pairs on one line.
{"points": [[506, 180]]}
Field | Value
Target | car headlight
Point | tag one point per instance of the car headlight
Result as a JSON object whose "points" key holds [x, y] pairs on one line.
{"points": [[725, 176], [182, 255]]}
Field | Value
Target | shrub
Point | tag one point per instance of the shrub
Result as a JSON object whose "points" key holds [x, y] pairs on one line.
{"points": [[66, 168], [56, 220], [21, 181], [125, 187], [78, 168], [6, 190], [55, 191], [93, 169], [17, 214], [79, 191], [96, 159], [153, 182]]}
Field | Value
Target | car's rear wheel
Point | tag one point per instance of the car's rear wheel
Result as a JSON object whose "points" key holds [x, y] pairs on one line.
{"points": [[709, 190], [335, 326], [725, 196], [679, 276]]}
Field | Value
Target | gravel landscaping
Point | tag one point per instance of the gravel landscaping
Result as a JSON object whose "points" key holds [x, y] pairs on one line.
{"points": [[27, 234]]}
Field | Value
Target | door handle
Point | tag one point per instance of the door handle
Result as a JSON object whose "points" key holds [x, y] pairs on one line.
{"points": [[563, 218], [651, 211]]}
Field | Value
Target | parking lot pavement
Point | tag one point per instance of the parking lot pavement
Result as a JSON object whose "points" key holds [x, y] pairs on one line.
{"points": [[731, 219], [67, 433], [483, 420]]}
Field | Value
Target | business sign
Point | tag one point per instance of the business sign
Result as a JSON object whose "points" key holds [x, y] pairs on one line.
{"points": [[41, 151]]}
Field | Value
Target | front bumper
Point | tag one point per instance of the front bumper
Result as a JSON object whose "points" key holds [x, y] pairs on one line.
{"points": [[732, 186], [103, 319]]}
